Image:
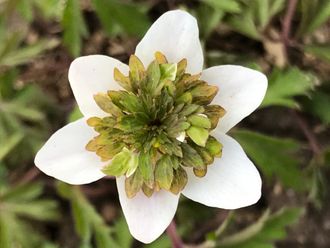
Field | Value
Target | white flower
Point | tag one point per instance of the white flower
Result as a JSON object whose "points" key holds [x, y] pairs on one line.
{"points": [[231, 182]]}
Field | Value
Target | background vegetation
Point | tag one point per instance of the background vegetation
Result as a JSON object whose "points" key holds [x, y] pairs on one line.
{"points": [[288, 138]]}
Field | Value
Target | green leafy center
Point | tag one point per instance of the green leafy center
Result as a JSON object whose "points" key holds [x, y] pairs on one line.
{"points": [[159, 124]]}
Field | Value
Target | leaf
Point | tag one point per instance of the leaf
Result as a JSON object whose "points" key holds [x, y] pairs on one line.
{"points": [[199, 121], [25, 7], [74, 27], [244, 24], [265, 231], [88, 222], [214, 147], [133, 184], [42, 210], [284, 85], [5, 233], [163, 241], [25, 54], [103, 237], [255, 16], [198, 135], [22, 193], [11, 142], [123, 162], [168, 71], [129, 17], [50, 8], [154, 74], [122, 234], [180, 179], [75, 114], [122, 80], [321, 51], [146, 168], [164, 172], [318, 105], [191, 158], [209, 18], [314, 14], [82, 222], [274, 157], [231, 6], [103, 101]]}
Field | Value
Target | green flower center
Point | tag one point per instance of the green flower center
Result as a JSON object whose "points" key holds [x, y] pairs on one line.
{"points": [[158, 125]]}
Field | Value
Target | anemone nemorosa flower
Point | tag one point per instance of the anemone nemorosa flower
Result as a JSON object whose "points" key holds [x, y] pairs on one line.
{"points": [[159, 126]]}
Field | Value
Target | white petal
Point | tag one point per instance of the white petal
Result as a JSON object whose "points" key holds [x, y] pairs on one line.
{"points": [[241, 91], [231, 182], [90, 75], [176, 35], [147, 218], [64, 155]]}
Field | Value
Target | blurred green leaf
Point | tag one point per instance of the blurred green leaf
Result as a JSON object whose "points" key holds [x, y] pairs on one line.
{"points": [[321, 51], [25, 8], [75, 114], [230, 6], [19, 204], [21, 113], [22, 192], [255, 16], [244, 24], [267, 229], [42, 210], [82, 222], [314, 14], [284, 85], [208, 19], [274, 157], [25, 54], [50, 8], [162, 242], [5, 234], [130, 17], [74, 27], [89, 223], [11, 142], [318, 105], [122, 234]]}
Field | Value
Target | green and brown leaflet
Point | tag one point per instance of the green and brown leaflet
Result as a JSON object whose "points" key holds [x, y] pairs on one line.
{"points": [[159, 124]]}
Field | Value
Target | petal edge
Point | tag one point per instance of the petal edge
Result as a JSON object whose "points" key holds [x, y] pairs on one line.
{"points": [[231, 182], [65, 158], [176, 35], [147, 218], [92, 74], [241, 91]]}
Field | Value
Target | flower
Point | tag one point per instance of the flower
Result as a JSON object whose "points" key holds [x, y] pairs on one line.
{"points": [[231, 182]]}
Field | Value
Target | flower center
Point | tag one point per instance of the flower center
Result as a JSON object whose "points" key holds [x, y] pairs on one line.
{"points": [[158, 125]]}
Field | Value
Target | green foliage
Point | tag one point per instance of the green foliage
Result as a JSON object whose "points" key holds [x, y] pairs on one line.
{"points": [[313, 14], [18, 107], [318, 105], [255, 16], [321, 51], [230, 6], [274, 157], [11, 54], [284, 85], [121, 17], [90, 225], [262, 234], [75, 114], [74, 27], [19, 205]]}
